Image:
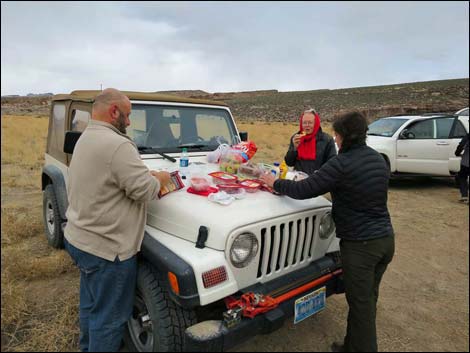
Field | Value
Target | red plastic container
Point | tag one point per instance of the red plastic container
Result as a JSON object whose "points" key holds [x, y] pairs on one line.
{"points": [[230, 188], [200, 183], [223, 178], [250, 185]]}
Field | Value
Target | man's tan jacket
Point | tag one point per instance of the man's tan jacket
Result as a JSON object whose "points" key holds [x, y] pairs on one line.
{"points": [[108, 190]]}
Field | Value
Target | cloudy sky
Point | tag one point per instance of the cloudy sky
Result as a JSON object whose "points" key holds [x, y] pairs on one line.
{"points": [[229, 46]]}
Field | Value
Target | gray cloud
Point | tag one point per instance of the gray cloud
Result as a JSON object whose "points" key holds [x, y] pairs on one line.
{"points": [[146, 46]]}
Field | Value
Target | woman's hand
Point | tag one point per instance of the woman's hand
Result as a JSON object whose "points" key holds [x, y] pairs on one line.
{"points": [[268, 179], [297, 138]]}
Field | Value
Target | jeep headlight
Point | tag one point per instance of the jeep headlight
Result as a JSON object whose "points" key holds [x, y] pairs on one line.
{"points": [[244, 249], [327, 226]]}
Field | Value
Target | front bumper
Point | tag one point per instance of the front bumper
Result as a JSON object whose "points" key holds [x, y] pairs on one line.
{"points": [[214, 336]]}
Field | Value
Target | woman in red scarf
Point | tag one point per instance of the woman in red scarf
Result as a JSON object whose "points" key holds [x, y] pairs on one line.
{"points": [[310, 148]]}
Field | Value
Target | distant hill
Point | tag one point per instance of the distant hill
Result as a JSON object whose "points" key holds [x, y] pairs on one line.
{"points": [[272, 105]]}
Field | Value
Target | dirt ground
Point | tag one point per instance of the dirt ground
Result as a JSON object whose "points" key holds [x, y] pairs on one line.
{"points": [[424, 298]]}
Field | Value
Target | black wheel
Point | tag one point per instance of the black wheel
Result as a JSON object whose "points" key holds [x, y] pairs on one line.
{"points": [[51, 217], [157, 323]]}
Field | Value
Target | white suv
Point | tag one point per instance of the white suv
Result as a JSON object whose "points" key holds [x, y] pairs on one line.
{"points": [[419, 145]]}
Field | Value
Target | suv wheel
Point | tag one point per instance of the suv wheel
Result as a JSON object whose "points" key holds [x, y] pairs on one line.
{"points": [[52, 220], [157, 323]]}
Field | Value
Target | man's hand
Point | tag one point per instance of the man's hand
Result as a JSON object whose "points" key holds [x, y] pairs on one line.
{"points": [[268, 179], [163, 177]]}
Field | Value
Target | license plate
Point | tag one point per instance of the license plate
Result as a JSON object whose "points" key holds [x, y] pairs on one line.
{"points": [[310, 304]]}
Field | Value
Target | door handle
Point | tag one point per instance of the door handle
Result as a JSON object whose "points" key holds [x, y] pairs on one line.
{"points": [[442, 143]]}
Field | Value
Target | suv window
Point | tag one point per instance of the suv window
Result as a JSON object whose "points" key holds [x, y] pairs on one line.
{"points": [[80, 119], [423, 129], [443, 127], [464, 112], [459, 130], [385, 127]]}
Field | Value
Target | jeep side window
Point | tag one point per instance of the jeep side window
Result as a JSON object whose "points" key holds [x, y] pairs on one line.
{"points": [[55, 142], [443, 127], [80, 119], [423, 129]]}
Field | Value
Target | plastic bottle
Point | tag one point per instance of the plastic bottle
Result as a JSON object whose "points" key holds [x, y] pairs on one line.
{"points": [[184, 163], [283, 169], [276, 171]]}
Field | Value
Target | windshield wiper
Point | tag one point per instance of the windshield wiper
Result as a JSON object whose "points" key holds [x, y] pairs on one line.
{"points": [[192, 145], [374, 134], [146, 149]]}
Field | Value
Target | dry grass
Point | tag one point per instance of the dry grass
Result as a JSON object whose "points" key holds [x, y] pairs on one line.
{"points": [[33, 318]]}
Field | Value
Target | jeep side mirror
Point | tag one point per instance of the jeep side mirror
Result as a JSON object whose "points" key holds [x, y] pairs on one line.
{"points": [[243, 136], [407, 134], [71, 138]]}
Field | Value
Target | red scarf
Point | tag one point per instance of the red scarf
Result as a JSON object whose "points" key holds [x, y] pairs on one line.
{"points": [[307, 149]]}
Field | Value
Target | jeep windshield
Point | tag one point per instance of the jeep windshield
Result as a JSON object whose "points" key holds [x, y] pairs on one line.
{"points": [[167, 129], [385, 127]]}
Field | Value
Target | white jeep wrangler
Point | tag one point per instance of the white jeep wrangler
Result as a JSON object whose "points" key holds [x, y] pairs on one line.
{"points": [[209, 275]]}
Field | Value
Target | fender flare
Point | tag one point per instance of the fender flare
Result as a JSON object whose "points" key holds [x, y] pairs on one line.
{"points": [[165, 260], [53, 175]]}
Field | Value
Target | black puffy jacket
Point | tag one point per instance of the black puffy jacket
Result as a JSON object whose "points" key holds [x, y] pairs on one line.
{"points": [[358, 182], [325, 147]]}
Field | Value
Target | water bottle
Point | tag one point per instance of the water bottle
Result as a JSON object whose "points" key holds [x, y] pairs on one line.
{"points": [[275, 171], [184, 163]]}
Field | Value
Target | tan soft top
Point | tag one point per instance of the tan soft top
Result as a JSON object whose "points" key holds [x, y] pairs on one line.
{"points": [[89, 96]]}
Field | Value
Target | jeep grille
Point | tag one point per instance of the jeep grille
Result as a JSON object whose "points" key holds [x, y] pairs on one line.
{"points": [[286, 244]]}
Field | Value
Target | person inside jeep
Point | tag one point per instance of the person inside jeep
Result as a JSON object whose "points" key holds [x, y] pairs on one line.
{"points": [[108, 190], [310, 148]]}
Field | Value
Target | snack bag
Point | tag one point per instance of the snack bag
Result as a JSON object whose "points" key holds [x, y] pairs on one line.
{"points": [[175, 184], [215, 156], [247, 148], [231, 161]]}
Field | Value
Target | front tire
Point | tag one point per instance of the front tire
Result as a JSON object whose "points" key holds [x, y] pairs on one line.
{"points": [[52, 219], [157, 323]]}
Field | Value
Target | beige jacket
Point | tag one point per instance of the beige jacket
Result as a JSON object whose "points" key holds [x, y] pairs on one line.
{"points": [[108, 190]]}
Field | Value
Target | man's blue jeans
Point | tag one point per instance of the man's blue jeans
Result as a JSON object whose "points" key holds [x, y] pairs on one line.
{"points": [[107, 292]]}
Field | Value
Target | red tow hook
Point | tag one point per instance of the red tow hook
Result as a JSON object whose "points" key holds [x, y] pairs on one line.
{"points": [[251, 304]]}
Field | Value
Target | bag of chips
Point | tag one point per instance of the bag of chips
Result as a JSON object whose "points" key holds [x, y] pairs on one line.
{"points": [[247, 149]]}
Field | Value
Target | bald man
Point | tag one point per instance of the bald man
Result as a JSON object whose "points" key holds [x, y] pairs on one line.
{"points": [[108, 190]]}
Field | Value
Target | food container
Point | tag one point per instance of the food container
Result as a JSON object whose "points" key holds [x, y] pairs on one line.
{"points": [[296, 175], [249, 171], [223, 178], [230, 188], [250, 185], [199, 183]]}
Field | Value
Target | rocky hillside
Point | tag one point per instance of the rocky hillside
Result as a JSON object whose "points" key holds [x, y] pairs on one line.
{"points": [[271, 105]]}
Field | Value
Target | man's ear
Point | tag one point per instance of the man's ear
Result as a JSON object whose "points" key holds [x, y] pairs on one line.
{"points": [[113, 112]]}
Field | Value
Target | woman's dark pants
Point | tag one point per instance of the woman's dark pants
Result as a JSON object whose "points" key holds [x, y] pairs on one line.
{"points": [[364, 263]]}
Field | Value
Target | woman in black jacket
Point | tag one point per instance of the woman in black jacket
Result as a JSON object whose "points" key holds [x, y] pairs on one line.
{"points": [[357, 179]]}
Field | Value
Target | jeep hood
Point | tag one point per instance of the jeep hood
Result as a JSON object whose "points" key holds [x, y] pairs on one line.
{"points": [[181, 213]]}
